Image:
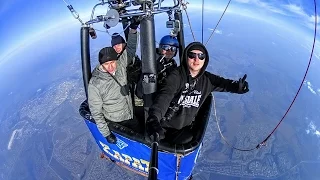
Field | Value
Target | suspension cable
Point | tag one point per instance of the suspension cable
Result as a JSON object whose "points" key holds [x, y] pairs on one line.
{"points": [[184, 7], [225, 9], [225, 139], [264, 142], [73, 12]]}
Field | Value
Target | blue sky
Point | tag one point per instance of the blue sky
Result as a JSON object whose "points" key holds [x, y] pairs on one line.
{"points": [[22, 21]]}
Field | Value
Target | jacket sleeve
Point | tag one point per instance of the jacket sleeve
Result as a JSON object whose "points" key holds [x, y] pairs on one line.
{"points": [[95, 106], [165, 95], [221, 84], [131, 47]]}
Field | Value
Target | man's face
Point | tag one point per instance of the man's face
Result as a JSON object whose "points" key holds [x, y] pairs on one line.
{"points": [[194, 62], [119, 47], [110, 66], [168, 51]]}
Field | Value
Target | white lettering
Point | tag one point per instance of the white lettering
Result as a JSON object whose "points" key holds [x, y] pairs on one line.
{"points": [[180, 99], [146, 163], [136, 163], [198, 100], [118, 156], [141, 164], [191, 101], [127, 158]]}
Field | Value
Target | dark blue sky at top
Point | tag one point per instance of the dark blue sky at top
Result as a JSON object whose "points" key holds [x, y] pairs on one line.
{"points": [[22, 21]]}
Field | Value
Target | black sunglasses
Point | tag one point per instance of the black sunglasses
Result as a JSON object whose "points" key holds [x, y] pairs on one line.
{"points": [[168, 47], [193, 55]]}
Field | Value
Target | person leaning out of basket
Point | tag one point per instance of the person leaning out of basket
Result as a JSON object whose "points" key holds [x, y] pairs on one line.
{"points": [[109, 96], [179, 99]]}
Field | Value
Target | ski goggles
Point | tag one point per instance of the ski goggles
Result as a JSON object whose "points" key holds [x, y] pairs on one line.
{"points": [[168, 47], [193, 55]]}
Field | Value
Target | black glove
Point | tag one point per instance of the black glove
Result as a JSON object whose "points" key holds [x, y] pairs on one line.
{"points": [[153, 126], [88, 116], [243, 85], [111, 139], [85, 111], [134, 23]]}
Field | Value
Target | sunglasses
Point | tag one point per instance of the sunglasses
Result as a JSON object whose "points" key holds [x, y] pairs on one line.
{"points": [[193, 55], [168, 47]]}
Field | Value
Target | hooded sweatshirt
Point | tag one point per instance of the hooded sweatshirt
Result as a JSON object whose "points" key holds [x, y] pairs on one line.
{"points": [[189, 92]]}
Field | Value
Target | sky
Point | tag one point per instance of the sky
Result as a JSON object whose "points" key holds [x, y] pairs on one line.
{"points": [[24, 21]]}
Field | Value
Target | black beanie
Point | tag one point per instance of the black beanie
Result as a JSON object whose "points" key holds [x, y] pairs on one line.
{"points": [[117, 39], [197, 47], [107, 54]]}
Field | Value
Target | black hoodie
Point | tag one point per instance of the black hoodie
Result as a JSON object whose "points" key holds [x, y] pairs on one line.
{"points": [[164, 66], [175, 90]]}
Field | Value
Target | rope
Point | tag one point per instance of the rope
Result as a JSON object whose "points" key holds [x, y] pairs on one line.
{"points": [[65, 2], [218, 22], [263, 143], [184, 7], [225, 139], [305, 74]]}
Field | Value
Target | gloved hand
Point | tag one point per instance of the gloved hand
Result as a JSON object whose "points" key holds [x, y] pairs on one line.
{"points": [[134, 23], [243, 85], [111, 138], [88, 116], [153, 126]]}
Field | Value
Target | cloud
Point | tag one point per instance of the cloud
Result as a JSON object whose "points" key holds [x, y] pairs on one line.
{"points": [[264, 5], [217, 31], [230, 34], [288, 10], [309, 86], [298, 11], [312, 129], [295, 9], [15, 133]]}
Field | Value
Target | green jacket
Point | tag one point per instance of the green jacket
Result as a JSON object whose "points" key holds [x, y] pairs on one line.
{"points": [[107, 99]]}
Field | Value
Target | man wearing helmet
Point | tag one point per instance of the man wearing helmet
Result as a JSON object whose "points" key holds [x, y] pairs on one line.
{"points": [[168, 47]]}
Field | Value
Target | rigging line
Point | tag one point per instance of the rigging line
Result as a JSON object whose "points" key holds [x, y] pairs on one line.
{"points": [[218, 22], [184, 7], [65, 2], [225, 139], [305, 74], [202, 21], [263, 143]]}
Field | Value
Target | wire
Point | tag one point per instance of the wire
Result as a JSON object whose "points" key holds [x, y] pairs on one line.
{"points": [[305, 74], [263, 143], [73, 12], [225, 139], [65, 2], [218, 22], [184, 7]]}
